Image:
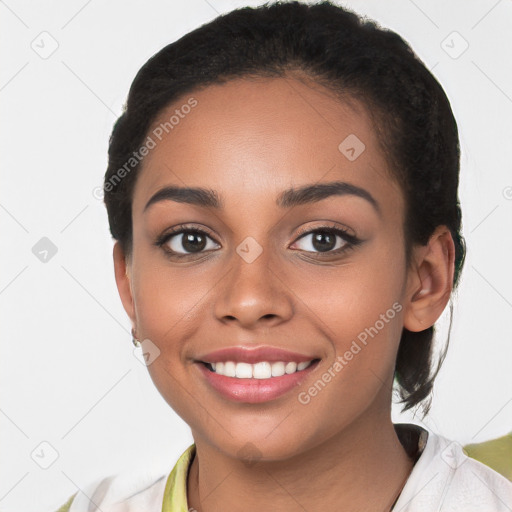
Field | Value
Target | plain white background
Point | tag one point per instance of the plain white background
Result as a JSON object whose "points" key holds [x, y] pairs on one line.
{"points": [[68, 374]]}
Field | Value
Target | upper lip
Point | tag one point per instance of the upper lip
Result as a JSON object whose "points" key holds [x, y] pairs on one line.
{"points": [[254, 355]]}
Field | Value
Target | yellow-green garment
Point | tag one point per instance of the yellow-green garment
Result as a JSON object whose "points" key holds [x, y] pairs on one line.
{"points": [[496, 454], [175, 493]]}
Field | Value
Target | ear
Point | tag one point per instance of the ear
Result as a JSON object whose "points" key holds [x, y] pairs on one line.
{"points": [[122, 270], [430, 281]]}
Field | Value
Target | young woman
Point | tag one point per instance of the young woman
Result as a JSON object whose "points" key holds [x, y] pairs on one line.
{"points": [[282, 189]]}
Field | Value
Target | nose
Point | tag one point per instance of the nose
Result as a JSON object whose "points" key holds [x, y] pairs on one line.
{"points": [[253, 294]]}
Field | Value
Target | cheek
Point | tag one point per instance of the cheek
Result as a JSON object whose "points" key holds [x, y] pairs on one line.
{"points": [[350, 298], [359, 310], [363, 325], [168, 301], [169, 305]]}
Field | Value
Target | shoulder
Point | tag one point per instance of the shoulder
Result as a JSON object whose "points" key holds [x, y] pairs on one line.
{"points": [[444, 477], [495, 453], [124, 492], [135, 491]]}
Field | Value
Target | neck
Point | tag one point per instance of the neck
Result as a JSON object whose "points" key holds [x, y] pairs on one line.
{"points": [[360, 468]]}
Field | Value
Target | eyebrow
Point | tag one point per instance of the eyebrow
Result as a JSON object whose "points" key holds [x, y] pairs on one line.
{"points": [[306, 194]]}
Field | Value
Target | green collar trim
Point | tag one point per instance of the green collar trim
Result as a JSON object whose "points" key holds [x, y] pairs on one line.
{"points": [[175, 493]]}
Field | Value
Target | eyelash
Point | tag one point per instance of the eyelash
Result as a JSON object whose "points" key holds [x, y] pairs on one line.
{"points": [[351, 241]]}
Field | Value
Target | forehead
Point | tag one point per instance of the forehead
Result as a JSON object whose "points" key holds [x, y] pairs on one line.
{"points": [[256, 137]]}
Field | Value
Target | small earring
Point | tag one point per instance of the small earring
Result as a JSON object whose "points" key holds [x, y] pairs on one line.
{"points": [[135, 341]]}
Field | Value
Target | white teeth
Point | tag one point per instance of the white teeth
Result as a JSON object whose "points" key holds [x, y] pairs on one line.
{"points": [[229, 369], [243, 370], [290, 368], [261, 370], [277, 369]]}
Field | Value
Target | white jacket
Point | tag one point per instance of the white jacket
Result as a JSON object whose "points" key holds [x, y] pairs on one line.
{"points": [[444, 479]]}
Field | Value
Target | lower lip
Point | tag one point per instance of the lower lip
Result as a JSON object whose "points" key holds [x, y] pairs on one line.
{"points": [[255, 391]]}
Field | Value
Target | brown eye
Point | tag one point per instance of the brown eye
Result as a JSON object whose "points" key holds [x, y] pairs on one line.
{"points": [[326, 240], [322, 241], [187, 241]]}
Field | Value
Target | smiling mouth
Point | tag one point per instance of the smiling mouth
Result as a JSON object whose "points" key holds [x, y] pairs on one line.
{"points": [[260, 370]]}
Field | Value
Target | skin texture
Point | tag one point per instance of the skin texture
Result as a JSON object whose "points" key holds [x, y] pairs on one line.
{"points": [[249, 140]]}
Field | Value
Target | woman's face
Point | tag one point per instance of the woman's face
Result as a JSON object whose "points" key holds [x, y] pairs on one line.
{"points": [[255, 280]]}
